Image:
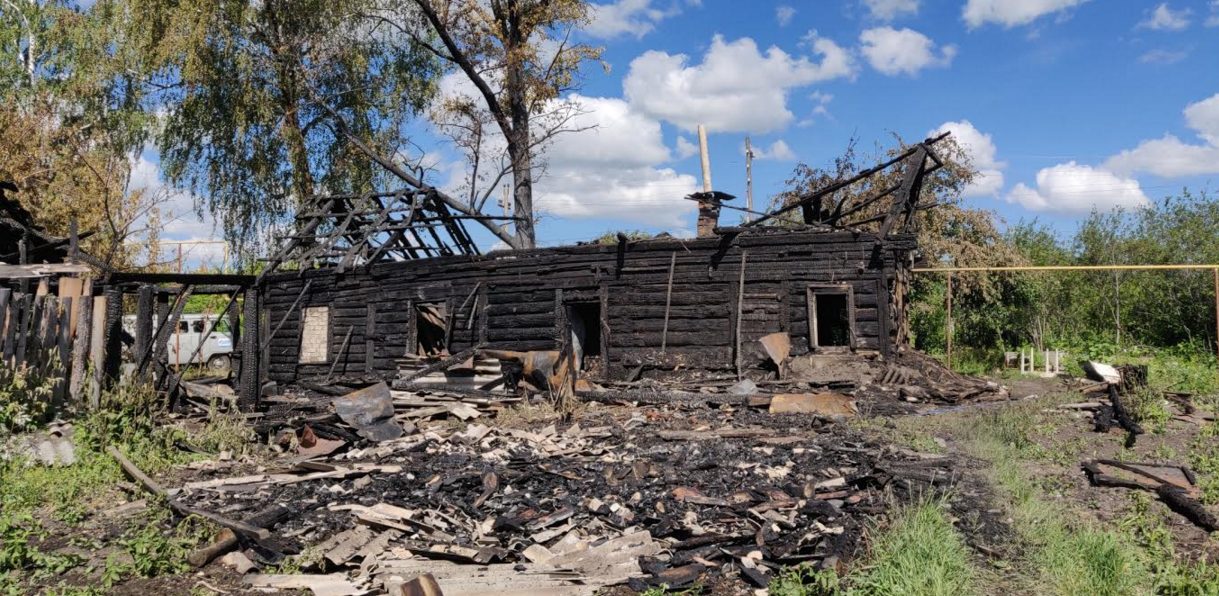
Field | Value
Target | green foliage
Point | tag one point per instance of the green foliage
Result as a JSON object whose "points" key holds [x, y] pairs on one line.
{"points": [[25, 395], [246, 86], [1103, 315], [17, 553], [226, 430], [1148, 407], [128, 419], [803, 580], [156, 550], [1204, 458], [919, 552]]}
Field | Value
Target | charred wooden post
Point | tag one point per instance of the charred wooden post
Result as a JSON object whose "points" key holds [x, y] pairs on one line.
{"points": [[143, 321], [249, 383], [84, 329], [113, 333]]}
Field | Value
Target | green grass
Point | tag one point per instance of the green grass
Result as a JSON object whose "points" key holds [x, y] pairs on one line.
{"points": [[918, 553], [34, 497], [1066, 552]]}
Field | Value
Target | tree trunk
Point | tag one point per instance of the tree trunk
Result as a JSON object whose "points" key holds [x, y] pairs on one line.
{"points": [[522, 193], [520, 147], [298, 155], [520, 151]]}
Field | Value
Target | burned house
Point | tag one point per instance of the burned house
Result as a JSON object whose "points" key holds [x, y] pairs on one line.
{"points": [[390, 279]]}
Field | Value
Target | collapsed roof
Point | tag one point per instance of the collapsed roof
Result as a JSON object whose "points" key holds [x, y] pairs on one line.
{"points": [[417, 222]]}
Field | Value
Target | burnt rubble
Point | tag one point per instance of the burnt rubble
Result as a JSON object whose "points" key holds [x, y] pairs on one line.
{"points": [[382, 491], [641, 497]]}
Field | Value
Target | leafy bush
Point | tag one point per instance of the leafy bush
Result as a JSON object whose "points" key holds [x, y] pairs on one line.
{"points": [[25, 395]]}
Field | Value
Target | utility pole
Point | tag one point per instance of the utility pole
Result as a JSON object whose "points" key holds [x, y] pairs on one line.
{"points": [[748, 174], [706, 159]]}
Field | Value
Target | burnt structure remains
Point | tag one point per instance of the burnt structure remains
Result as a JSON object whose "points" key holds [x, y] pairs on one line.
{"points": [[385, 278]]}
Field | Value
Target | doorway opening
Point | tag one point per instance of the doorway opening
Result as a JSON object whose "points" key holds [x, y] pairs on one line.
{"points": [[431, 329], [831, 317], [584, 318]]}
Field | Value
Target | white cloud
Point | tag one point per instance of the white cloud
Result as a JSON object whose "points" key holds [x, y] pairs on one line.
{"points": [[903, 51], [821, 102], [645, 195], [610, 167], [686, 148], [1169, 156], [180, 225], [980, 148], [887, 10], [1162, 56], [1073, 189], [777, 151], [608, 134], [627, 17], [1164, 18], [784, 14], [1203, 116], [736, 88], [1011, 13], [1213, 19], [179, 220]]}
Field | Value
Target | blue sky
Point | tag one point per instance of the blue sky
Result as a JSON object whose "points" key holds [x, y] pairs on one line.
{"points": [[1065, 104]]}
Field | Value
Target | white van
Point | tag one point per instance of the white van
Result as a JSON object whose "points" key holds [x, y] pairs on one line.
{"points": [[183, 341]]}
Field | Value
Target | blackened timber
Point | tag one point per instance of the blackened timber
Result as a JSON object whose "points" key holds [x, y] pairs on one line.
{"points": [[113, 334], [515, 292], [249, 383], [224, 279]]}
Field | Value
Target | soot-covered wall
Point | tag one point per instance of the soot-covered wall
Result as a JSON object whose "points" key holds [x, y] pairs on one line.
{"points": [[831, 291]]}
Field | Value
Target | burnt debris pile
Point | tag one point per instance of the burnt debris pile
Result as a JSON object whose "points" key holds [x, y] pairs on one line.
{"points": [[638, 497]]}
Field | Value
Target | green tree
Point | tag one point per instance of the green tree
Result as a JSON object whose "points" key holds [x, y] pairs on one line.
{"points": [[71, 120], [253, 90], [519, 57]]}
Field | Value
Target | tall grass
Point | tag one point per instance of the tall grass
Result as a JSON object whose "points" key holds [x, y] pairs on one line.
{"points": [[918, 553]]}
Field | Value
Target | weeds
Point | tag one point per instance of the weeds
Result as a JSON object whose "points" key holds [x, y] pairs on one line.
{"points": [[156, 551], [226, 430], [1147, 406], [1204, 457], [17, 553], [25, 395], [128, 420], [919, 552], [803, 580], [1066, 554]]}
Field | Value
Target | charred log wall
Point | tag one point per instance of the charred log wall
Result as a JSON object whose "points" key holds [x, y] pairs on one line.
{"points": [[518, 300]]}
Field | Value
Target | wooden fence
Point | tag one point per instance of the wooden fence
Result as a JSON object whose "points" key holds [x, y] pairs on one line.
{"points": [[57, 332]]}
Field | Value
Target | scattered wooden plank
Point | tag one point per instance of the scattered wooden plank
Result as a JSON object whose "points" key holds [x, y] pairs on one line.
{"points": [[825, 404]]}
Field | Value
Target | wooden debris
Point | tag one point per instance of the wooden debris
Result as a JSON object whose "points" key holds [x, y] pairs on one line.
{"points": [[423, 585], [224, 541], [334, 584], [1174, 485], [825, 404]]}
